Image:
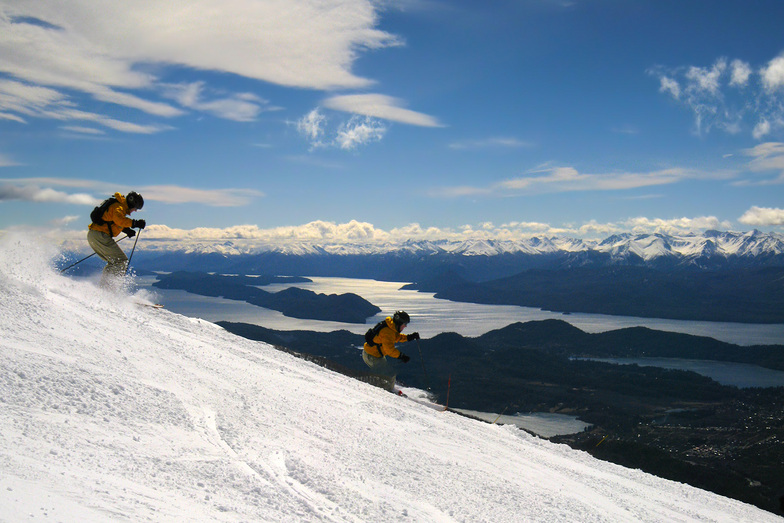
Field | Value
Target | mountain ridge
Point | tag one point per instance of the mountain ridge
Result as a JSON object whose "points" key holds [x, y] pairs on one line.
{"points": [[647, 246], [473, 260]]}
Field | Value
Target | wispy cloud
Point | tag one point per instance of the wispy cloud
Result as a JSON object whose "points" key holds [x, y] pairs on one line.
{"points": [[21, 101], [380, 106], [766, 157], [42, 190], [729, 95], [359, 131], [83, 130], [211, 197], [33, 193], [568, 179], [6, 161], [495, 142], [348, 135], [240, 107], [115, 51]]}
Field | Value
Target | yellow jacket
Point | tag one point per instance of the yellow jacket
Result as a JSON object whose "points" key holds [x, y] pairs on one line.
{"points": [[387, 337], [116, 215]]}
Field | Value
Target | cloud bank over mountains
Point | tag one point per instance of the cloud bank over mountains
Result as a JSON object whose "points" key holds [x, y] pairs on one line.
{"points": [[365, 238]]}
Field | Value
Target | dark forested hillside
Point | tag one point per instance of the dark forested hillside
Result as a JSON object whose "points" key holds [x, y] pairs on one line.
{"points": [[749, 295]]}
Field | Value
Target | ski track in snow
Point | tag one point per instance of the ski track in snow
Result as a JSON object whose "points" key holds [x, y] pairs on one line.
{"points": [[114, 412]]}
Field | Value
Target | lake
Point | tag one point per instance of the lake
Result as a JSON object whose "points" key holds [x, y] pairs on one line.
{"points": [[431, 316], [741, 375]]}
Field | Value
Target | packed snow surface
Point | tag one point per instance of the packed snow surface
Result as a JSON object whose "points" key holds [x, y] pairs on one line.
{"points": [[113, 411]]}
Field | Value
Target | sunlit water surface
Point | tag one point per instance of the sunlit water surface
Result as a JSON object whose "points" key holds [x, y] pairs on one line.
{"points": [[431, 316]]}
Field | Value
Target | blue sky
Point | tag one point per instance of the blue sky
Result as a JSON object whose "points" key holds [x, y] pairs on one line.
{"points": [[350, 120]]}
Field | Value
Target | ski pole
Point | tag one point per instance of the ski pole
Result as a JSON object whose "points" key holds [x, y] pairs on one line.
{"points": [[127, 267], [90, 256], [427, 380]]}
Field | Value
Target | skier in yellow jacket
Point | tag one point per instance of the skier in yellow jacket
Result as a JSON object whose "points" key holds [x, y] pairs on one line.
{"points": [[385, 335], [111, 223]]}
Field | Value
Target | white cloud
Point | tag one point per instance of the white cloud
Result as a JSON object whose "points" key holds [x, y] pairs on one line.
{"points": [[380, 106], [33, 193], [740, 73], [593, 229], [732, 97], [314, 232], [349, 135], [12, 117], [762, 216], [311, 126], [35, 190], [761, 129], [359, 131], [211, 197], [767, 157], [240, 107], [113, 51], [773, 73], [248, 238], [82, 130], [706, 80], [669, 85], [65, 220], [642, 225], [43, 102]]}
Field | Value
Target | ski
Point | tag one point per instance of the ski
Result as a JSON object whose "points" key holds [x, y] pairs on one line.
{"points": [[418, 396]]}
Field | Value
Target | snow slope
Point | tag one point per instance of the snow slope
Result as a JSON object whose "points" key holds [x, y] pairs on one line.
{"points": [[110, 411]]}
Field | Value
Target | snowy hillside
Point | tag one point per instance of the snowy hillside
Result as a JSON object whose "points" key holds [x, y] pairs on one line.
{"points": [[111, 411]]}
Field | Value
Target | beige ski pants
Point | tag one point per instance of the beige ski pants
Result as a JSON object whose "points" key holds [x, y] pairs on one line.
{"points": [[116, 261]]}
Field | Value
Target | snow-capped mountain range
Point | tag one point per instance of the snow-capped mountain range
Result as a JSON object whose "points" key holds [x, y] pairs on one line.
{"points": [[620, 246]]}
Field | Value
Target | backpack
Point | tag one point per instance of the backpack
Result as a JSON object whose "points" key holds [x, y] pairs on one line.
{"points": [[97, 215], [372, 333]]}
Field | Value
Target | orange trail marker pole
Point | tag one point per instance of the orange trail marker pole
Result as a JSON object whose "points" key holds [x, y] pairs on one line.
{"points": [[448, 386]]}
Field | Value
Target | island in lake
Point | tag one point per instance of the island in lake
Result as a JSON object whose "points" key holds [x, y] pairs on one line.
{"points": [[292, 302]]}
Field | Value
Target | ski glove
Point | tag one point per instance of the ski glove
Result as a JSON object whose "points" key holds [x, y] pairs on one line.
{"points": [[139, 224], [413, 336], [404, 358], [129, 232]]}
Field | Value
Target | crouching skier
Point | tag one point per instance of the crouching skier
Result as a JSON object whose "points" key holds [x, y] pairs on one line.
{"points": [[380, 343], [108, 220]]}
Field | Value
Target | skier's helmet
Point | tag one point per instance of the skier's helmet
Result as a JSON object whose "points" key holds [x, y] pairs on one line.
{"points": [[134, 200], [401, 318]]}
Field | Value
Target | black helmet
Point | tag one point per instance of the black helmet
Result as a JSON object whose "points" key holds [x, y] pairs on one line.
{"points": [[134, 200], [400, 318]]}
